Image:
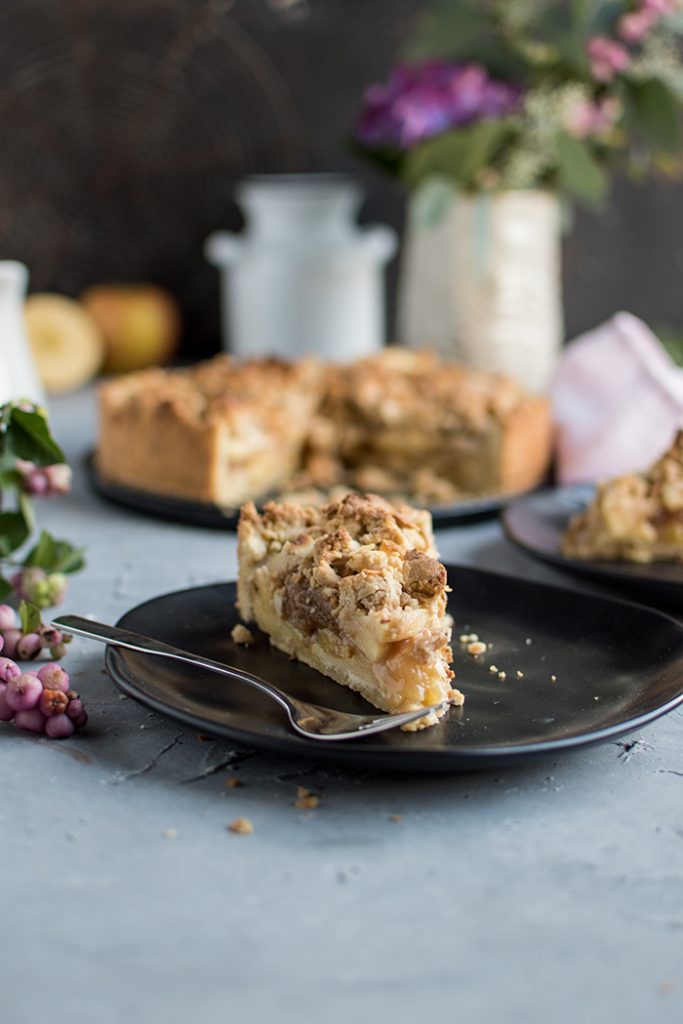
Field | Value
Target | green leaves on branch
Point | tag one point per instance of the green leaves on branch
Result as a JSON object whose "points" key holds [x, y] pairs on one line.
{"points": [[55, 555], [24, 434], [15, 527]]}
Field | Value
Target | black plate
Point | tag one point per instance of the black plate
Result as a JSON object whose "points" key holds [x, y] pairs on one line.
{"points": [[197, 513], [618, 666], [537, 522]]}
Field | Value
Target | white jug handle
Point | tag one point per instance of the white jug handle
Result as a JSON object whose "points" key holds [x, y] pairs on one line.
{"points": [[379, 242], [223, 247]]}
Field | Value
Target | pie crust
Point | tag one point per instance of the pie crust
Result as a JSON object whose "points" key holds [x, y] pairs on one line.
{"points": [[355, 590]]}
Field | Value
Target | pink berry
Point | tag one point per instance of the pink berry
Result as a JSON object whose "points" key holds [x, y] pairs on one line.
{"points": [[8, 618], [81, 721], [23, 692], [2, 641], [32, 721], [29, 647], [75, 707], [8, 670], [12, 637], [53, 677], [53, 702], [6, 712], [58, 651], [59, 727], [49, 635]]}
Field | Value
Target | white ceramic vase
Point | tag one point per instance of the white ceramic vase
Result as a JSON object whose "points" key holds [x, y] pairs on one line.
{"points": [[302, 278], [482, 284], [18, 376]]}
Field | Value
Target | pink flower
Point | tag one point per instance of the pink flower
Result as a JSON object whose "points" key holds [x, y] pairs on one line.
{"points": [[46, 481], [587, 118], [635, 26], [660, 7], [607, 57]]}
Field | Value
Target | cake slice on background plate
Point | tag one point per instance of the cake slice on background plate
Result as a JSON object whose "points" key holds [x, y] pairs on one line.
{"points": [[637, 517], [355, 590]]}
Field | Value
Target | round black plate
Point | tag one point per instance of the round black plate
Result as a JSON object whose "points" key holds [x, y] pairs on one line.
{"points": [[197, 513], [537, 522], [617, 665]]}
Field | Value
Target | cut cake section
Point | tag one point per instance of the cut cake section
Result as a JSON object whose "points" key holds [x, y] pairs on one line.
{"points": [[353, 589], [406, 422]]}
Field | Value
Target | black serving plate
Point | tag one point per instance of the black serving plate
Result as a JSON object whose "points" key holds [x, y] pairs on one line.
{"points": [[197, 513], [537, 522], [617, 665]]}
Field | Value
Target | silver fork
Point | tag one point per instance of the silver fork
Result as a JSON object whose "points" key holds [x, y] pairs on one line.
{"points": [[310, 720]]}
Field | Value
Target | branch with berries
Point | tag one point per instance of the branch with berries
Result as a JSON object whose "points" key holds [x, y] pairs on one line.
{"points": [[33, 576]]}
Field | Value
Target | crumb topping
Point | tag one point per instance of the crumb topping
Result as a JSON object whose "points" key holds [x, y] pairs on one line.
{"points": [[241, 635], [361, 569]]}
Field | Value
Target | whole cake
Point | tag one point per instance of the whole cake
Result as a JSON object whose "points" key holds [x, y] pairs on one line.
{"points": [[400, 423], [355, 590], [637, 517]]}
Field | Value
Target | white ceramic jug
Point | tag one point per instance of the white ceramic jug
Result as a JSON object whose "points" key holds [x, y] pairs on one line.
{"points": [[302, 278], [18, 376]]}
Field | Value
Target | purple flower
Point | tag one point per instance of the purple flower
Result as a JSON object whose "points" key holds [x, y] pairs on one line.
{"points": [[607, 57], [422, 100]]}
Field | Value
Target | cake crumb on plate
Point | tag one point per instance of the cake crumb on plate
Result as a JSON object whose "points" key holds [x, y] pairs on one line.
{"points": [[241, 635]]}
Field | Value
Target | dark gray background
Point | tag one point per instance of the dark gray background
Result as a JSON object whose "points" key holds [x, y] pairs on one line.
{"points": [[127, 122]]}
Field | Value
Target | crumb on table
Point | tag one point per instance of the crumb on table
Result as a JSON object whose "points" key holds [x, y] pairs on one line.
{"points": [[305, 800], [241, 826], [241, 635]]}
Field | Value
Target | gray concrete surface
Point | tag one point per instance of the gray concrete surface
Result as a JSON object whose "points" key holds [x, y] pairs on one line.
{"points": [[547, 893]]}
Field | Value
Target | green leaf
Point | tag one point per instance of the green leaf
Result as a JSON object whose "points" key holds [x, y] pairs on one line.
{"points": [[29, 616], [14, 530], [9, 476], [28, 437], [6, 588], [578, 171], [458, 155], [55, 555], [654, 111], [431, 201]]}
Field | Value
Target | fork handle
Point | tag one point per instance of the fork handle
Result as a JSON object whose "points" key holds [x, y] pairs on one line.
{"points": [[118, 637]]}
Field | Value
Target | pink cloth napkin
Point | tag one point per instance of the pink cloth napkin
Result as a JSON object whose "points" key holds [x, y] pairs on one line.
{"points": [[617, 400]]}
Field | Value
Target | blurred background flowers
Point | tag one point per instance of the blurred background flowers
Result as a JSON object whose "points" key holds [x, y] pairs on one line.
{"points": [[127, 125]]}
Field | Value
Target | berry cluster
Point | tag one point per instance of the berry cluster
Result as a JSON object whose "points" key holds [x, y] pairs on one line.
{"points": [[27, 645], [41, 703], [39, 587]]}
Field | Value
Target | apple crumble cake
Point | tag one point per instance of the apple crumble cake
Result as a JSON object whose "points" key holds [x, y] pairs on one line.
{"points": [[634, 518], [355, 590], [402, 423], [218, 432]]}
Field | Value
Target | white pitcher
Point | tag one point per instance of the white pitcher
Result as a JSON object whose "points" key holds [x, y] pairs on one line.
{"points": [[302, 278], [18, 376]]}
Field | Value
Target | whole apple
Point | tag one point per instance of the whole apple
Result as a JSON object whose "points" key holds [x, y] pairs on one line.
{"points": [[140, 324]]}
